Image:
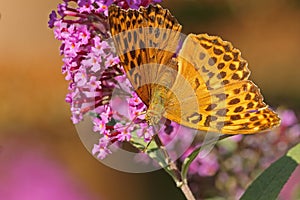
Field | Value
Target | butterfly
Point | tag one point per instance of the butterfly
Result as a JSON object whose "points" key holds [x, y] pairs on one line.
{"points": [[198, 81]]}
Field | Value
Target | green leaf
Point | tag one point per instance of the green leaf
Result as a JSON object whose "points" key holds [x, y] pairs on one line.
{"points": [[294, 153], [187, 162], [112, 122], [269, 184]]}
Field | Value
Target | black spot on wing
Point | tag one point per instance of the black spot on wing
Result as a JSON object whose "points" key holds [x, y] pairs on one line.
{"points": [[194, 118]]}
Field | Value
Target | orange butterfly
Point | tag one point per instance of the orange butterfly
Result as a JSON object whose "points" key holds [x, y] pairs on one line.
{"points": [[203, 86]]}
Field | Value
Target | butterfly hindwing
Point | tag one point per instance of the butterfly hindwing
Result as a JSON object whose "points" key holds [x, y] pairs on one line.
{"points": [[224, 99]]}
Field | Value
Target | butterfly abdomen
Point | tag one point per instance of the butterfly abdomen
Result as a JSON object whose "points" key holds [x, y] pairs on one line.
{"points": [[156, 106]]}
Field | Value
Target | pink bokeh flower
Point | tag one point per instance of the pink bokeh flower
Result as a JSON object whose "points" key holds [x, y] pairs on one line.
{"points": [[32, 174], [288, 117]]}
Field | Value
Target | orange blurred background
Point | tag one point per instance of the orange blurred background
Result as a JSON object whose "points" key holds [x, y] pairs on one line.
{"points": [[34, 116]]}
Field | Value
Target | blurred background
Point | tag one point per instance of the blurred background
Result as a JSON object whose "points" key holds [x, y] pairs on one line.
{"points": [[41, 155]]}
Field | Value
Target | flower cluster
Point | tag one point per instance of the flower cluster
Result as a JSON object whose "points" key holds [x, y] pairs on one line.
{"points": [[237, 160], [94, 73]]}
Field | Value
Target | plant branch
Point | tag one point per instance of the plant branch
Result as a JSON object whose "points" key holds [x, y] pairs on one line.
{"points": [[187, 191], [173, 171]]}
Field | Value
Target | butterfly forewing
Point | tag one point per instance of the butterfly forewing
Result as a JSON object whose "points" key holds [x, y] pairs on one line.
{"points": [[143, 37]]}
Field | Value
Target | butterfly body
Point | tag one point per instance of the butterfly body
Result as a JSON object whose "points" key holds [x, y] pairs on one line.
{"points": [[205, 86], [157, 106], [160, 93]]}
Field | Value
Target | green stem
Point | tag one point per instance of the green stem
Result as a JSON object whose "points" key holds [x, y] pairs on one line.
{"points": [[189, 159], [173, 171]]}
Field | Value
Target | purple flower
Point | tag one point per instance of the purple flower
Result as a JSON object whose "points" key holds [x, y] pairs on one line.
{"points": [[68, 98], [99, 46], [84, 35], [99, 125], [124, 132], [145, 131], [111, 60], [86, 5], [82, 3], [53, 18], [60, 30], [71, 48], [288, 118], [93, 62], [94, 84], [80, 77], [121, 79], [136, 106], [61, 8], [134, 3], [207, 166], [236, 138], [76, 115], [101, 149], [103, 7]]}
